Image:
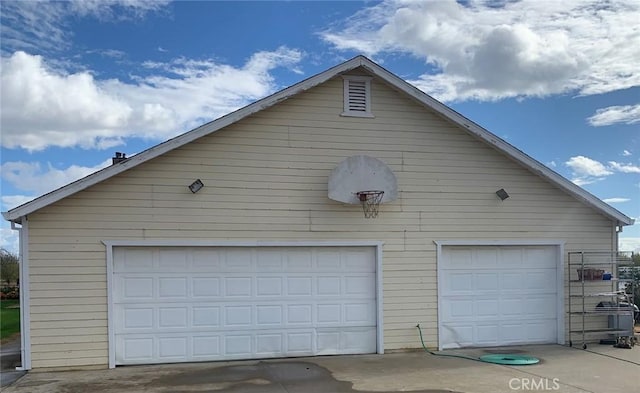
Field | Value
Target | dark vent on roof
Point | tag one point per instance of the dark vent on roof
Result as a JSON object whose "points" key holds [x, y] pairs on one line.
{"points": [[119, 157]]}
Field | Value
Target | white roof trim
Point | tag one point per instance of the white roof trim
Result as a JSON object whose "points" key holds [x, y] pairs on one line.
{"points": [[472, 128]]}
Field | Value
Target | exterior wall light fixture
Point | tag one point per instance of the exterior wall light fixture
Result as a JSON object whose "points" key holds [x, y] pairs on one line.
{"points": [[196, 186], [502, 194]]}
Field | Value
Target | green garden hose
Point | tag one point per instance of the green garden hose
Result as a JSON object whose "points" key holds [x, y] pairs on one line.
{"points": [[443, 354], [498, 358]]}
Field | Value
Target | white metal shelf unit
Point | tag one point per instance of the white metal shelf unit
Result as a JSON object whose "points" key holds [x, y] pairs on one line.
{"points": [[595, 276]]}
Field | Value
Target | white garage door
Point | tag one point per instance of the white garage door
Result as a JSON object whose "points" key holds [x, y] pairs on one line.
{"points": [[180, 304], [493, 296]]}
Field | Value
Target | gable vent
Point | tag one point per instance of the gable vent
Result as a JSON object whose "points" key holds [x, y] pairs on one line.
{"points": [[357, 96]]}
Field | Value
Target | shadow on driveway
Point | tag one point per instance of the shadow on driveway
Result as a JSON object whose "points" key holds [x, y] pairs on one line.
{"points": [[263, 377]]}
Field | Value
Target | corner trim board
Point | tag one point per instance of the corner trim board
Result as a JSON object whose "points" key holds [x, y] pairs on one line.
{"points": [[110, 324], [25, 296]]}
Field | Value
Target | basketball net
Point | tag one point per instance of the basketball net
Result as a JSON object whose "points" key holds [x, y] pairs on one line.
{"points": [[370, 201]]}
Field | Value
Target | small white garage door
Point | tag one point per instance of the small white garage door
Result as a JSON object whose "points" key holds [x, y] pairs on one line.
{"points": [[493, 296], [181, 304]]}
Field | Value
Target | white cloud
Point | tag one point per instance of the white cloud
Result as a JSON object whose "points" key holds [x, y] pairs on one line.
{"points": [[616, 200], [116, 9], [33, 178], [42, 25], [582, 165], [629, 244], [43, 107], [585, 180], [627, 114], [587, 171], [624, 168], [9, 240], [481, 51], [626, 153], [11, 201], [111, 53]]}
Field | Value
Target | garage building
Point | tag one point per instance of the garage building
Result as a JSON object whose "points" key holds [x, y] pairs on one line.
{"points": [[223, 243]]}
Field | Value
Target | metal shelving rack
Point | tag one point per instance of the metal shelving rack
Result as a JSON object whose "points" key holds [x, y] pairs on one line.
{"points": [[587, 285]]}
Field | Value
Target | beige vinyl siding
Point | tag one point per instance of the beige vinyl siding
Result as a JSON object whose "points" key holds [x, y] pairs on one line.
{"points": [[266, 179]]}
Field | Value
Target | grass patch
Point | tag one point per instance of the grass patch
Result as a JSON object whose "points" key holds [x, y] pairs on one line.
{"points": [[9, 318]]}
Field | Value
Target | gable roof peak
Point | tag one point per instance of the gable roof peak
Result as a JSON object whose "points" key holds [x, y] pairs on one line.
{"points": [[16, 214]]}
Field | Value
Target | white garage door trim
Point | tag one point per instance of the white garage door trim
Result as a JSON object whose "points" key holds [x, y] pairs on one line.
{"points": [[110, 244], [559, 245]]}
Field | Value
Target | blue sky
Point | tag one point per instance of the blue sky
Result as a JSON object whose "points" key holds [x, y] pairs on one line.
{"points": [[83, 79]]}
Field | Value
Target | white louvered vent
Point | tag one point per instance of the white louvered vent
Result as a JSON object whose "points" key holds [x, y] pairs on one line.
{"points": [[357, 96]]}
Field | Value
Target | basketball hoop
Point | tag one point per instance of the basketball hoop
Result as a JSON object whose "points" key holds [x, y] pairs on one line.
{"points": [[370, 201]]}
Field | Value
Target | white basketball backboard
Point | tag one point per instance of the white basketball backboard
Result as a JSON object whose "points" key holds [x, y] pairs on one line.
{"points": [[361, 173]]}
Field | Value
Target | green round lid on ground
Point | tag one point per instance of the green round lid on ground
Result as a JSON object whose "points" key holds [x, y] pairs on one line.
{"points": [[509, 359]]}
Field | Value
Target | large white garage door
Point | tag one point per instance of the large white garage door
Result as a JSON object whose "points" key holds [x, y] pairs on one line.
{"points": [[492, 296], [180, 304]]}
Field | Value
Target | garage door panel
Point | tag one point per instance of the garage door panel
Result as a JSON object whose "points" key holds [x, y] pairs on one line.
{"points": [[299, 343], [512, 281], [459, 258], [458, 309], [172, 317], [205, 316], [238, 260], [497, 296], [269, 286], [512, 332], [484, 258], [269, 343], [486, 334], [172, 287], [136, 349], [327, 260], [171, 259], [269, 260], [132, 259], [235, 287], [299, 260], [205, 287], [540, 258], [138, 318], [299, 314], [540, 306], [259, 310], [511, 308], [269, 315], [205, 347], [540, 280], [541, 330], [489, 308], [299, 286], [135, 288], [510, 257], [486, 281], [457, 283], [172, 348]]}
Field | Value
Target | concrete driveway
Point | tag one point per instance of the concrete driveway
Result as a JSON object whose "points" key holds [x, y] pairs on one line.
{"points": [[9, 360], [561, 369]]}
